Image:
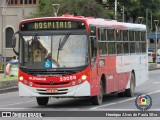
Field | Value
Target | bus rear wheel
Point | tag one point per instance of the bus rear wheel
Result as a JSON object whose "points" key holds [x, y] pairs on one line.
{"points": [[97, 100], [130, 92], [42, 100]]}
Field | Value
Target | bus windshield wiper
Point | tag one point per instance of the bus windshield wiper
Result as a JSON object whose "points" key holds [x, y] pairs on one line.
{"points": [[62, 43]]}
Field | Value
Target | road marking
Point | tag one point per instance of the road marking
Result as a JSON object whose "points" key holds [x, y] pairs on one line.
{"points": [[17, 103], [121, 101]]}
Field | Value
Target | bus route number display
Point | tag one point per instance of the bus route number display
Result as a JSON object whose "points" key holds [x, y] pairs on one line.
{"points": [[52, 25]]}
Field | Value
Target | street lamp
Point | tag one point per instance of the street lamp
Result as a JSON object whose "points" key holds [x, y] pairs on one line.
{"points": [[123, 13], [140, 20], [156, 25], [56, 9], [147, 11], [116, 4]]}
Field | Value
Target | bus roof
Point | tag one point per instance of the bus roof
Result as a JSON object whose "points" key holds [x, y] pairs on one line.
{"points": [[94, 21]]}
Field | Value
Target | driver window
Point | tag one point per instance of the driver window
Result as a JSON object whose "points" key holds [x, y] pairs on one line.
{"points": [[93, 50]]}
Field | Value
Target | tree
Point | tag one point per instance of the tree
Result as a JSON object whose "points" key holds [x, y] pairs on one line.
{"points": [[78, 7]]}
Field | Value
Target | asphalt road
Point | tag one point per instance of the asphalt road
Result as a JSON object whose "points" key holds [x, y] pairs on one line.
{"points": [[12, 102]]}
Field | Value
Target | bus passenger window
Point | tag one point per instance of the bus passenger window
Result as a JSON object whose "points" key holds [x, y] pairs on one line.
{"points": [[131, 35], [119, 48], [126, 47], [125, 35], [138, 48], [101, 34], [118, 35], [103, 48], [132, 47], [143, 47], [143, 36], [111, 48], [137, 35], [110, 35]]}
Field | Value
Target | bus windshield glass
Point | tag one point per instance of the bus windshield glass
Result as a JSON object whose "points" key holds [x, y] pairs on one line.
{"points": [[54, 51]]}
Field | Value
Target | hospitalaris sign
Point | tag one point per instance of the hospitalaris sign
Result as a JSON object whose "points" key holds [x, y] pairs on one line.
{"points": [[52, 25]]}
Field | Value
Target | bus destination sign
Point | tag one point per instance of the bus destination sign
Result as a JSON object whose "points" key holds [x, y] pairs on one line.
{"points": [[52, 25]]}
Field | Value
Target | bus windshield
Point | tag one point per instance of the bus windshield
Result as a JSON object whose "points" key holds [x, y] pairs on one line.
{"points": [[53, 51]]}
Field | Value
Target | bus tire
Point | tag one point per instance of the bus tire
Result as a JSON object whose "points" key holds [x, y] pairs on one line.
{"points": [[130, 92], [42, 100], [97, 100]]}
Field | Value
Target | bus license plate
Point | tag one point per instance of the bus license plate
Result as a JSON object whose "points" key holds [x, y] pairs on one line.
{"points": [[52, 90]]}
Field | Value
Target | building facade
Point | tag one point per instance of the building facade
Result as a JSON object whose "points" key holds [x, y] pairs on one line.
{"points": [[152, 40], [11, 13]]}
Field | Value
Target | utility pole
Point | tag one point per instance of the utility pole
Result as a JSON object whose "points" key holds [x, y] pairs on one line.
{"points": [[123, 13], [115, 9], [4, 36]]}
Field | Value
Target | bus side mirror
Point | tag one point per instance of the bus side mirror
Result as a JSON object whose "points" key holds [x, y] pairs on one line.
{"points": [[14, 43]]}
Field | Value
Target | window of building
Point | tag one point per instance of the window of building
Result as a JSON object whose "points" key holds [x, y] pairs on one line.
{"points": [[30, 1], [9, 34], [20, 2], [34, 2], [152, 41]]}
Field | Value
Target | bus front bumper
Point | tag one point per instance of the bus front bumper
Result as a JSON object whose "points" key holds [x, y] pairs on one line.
{"points": [[73, 91]]}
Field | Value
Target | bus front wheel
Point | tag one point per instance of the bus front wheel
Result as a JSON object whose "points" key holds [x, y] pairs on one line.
{"points": [[42, 100], [97, 100]]}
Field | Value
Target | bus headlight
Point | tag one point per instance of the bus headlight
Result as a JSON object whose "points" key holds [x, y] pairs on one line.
{"points": [[21, 78], [84, 77]]}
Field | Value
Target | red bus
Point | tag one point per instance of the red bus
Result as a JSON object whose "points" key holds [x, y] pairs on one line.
{"points": [[76, 56]]}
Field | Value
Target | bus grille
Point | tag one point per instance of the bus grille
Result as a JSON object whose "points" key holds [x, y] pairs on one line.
{"points": [[62, 83], [59, 92]]}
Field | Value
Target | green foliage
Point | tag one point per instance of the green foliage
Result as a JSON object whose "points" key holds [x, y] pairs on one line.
{"points": [[9, 78], [101, 8], [78, 7]]}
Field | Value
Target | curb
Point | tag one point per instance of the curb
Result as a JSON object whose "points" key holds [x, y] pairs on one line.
{"points": [[10, 89], [8, 86]]}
